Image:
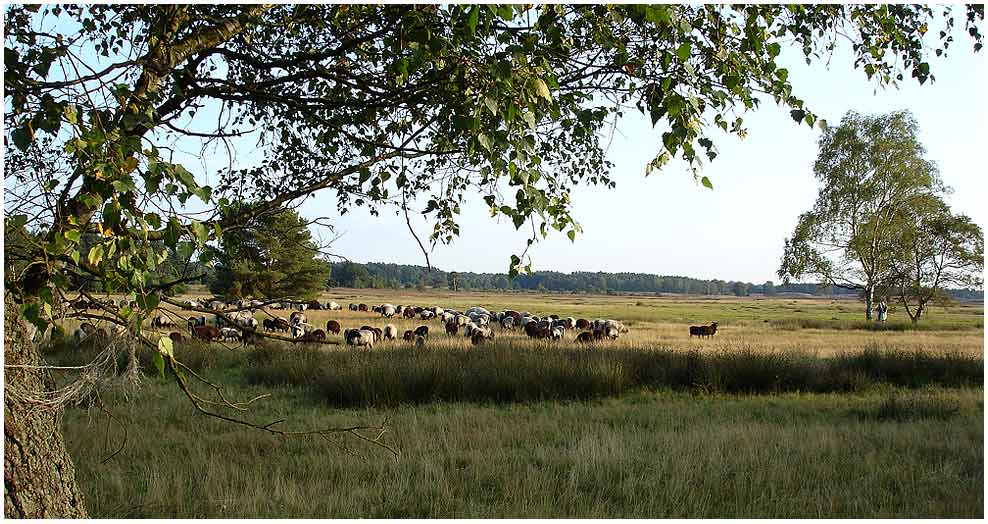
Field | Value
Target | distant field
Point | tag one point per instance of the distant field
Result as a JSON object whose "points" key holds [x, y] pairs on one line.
{"points": [[760, 324], [652, 425]]}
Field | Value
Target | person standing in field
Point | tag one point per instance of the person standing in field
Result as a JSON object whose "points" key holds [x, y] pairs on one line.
{"points": [[883, 309]]}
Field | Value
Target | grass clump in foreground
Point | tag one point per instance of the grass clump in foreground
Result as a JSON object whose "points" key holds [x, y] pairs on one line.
{"points": [[503, 374]]}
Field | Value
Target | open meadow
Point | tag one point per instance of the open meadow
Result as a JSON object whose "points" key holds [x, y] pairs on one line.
{"points": [[796, 408]]}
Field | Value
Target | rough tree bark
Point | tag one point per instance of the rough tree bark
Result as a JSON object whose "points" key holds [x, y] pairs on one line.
{"points": [[38, 475]]}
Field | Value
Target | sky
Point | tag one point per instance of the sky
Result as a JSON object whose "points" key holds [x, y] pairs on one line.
{"points": [[668, 224]]}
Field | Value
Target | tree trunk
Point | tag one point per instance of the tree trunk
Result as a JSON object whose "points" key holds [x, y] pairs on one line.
{"points": [[38, 475], [869, 301]]}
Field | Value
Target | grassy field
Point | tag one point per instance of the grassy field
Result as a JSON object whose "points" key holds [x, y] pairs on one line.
{"points": [[768, 419]]}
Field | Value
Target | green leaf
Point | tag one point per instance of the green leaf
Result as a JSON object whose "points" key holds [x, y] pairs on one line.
{"points": [[165, 347], [572, 235], [472, 18], [159, 361], [797, 115], [148, 302], [484, 141], [706, 182], [683, 51], [529, 119], [22, 139], [542, 89], [491, 104], [95, 255], [73, 234]]}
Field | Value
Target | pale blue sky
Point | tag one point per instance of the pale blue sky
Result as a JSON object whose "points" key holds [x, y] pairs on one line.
{"points": [[668, 224]]}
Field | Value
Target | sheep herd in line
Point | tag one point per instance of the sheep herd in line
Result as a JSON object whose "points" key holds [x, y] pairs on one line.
{"points": [[476, 323]]}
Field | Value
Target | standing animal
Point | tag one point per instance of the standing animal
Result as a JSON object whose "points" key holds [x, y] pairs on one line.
{"points": [[703, 331], [359, 337], [333, 306], [352, 307], [422, 331], [333, 327], [390, 332], [420, 341], [388, 310], [206, 333], [176, 336], [229, 333], [409, 336], [361, 307]]}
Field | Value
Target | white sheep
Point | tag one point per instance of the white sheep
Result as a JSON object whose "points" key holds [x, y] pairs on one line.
{"points": [[390, 332], [359, 337]]}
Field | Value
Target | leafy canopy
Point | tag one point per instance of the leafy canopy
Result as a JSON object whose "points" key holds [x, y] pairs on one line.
{"points": [[385, 105]]}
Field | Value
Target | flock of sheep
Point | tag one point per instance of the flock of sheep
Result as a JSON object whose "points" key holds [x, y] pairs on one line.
{"points": [[476, 323]]}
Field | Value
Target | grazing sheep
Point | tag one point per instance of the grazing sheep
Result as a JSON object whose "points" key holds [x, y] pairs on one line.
{"points": [[452, 328], [206, 333], [420, 341], [703, 331], [422, 331], [333, 327], [361, 307], [483, 331], [333, 306], [582, 323], [508, 323], [388, 310], [408, 336], [359, 337], [585, 338], [390, 332], [447, 317], [314, 304], [557, 332], [409, 312], [478, 337], [353, 307], [176, 336], [160, 321], [318, 334], [228, 333], [427, 314]]}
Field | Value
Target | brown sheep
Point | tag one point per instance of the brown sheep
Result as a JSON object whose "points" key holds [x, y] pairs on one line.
{"points": [[206, 333], [703, 331], [452, 328], [409, 312], [409, 336], [333, 327], [582, 323], [422, 331], [176, 336], [361, 307]]}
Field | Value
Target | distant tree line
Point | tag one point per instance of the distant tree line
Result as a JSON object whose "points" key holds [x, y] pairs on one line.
{"points": [[385, 275]]}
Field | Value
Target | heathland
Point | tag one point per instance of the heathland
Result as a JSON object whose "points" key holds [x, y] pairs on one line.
{"points": [[796, 408]]}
